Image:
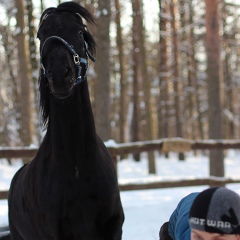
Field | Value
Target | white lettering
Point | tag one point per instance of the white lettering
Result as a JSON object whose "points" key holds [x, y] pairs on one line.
{"points": [[210, 223], [220, 224], [194, 220], [202, 221], [227, 225]]}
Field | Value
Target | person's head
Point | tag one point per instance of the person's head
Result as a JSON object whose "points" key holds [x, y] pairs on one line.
{"points": [[215, 215]]}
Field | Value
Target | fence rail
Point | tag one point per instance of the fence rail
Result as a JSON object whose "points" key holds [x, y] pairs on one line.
{"points": [[164, 145]]}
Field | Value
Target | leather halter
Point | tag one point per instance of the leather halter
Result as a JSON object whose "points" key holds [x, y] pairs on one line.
{"points": [[77, 60]]}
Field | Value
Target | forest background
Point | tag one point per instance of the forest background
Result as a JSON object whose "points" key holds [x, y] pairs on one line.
{"points": [[165, 68]]}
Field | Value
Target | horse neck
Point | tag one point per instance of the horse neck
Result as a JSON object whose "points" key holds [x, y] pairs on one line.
{"points": [[71, 125]]}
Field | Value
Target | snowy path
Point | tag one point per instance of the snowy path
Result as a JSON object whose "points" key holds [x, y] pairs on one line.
{"points": [[146, 210]]}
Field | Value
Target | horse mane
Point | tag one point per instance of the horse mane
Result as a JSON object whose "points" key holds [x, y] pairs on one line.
{"points": [[80, 12]]}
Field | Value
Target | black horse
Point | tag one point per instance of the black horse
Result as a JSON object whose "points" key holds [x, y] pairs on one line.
{"points": [[69, 191]]}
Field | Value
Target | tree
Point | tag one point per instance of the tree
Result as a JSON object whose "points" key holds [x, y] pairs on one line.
{"points": [[24, 76], [176, 74], [11, 87], [5, 116], [213, 79], [192, 72], [141, 73], [41, 5], [137, 76], [123, 75], [102, 84], [33, 64], [163, 102], [228, 41]]}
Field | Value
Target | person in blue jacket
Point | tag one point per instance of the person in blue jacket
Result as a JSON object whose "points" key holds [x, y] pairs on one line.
{"points": [[213, 214]]}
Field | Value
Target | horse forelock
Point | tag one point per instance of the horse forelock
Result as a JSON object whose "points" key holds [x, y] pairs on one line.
{"points": [[72, 7], [80, 12]]}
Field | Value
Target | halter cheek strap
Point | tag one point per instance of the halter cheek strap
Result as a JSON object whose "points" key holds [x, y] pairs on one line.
{"points": [[77, 60]]}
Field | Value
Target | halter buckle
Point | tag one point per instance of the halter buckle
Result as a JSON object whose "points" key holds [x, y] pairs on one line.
{"points": [[76, 59]]}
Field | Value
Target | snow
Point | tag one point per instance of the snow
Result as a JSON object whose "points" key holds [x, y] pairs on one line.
{"points": [[146, 210]]}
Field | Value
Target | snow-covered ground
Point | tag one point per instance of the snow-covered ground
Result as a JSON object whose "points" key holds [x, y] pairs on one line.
{"points": [[146, 210]]}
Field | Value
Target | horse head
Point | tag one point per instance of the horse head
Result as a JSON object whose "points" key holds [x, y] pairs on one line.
{"points": [[65, 46]]}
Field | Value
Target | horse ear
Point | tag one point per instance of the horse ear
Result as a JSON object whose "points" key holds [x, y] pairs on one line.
{"points": [[83, 13], [42, 19], [40, 23], [45, 14], [79, 16]]}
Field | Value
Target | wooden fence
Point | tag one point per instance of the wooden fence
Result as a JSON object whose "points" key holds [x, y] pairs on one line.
{"points": [[164, 145]]}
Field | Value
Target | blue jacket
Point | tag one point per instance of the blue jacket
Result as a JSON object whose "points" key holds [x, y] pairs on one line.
{"points": [[178, 228]]}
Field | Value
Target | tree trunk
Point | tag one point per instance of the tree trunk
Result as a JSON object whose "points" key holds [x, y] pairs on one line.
{"points": [[193, 73], [123, 76], [24, 76], [213, 77], [102, 84], [187, 103], [176, 75], [139, 41], [5, 116], [34, 66], [163, 103], [137, 77], [42, 5], [229, 127], [7, 43]]}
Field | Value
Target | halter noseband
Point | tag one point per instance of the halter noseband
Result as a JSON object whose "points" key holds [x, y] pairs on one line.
{"points": [[77, 60]]}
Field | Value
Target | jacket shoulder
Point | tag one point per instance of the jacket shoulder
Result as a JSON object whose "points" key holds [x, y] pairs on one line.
{"points": [[179, 228]]}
